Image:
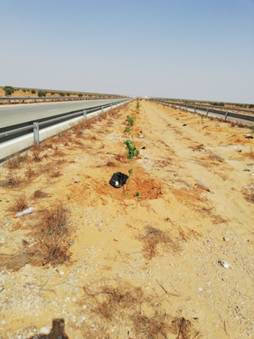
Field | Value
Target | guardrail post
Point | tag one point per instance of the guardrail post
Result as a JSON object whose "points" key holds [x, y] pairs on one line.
{"points": [[36, 133], [207, 111], [84, 114], [226, 115]]}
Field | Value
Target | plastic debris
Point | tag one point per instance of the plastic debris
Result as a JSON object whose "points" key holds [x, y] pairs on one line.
{"points": [[57, 330], [26, 211], [44, 330], [224, 264], [118, 179]]}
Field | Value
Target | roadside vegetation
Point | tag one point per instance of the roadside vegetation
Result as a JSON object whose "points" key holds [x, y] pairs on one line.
{"points": [[8, 90], [72, 242], [131, 149]]}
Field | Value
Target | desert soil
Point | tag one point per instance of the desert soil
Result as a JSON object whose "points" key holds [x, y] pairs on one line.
{"points": [[169, 255]]}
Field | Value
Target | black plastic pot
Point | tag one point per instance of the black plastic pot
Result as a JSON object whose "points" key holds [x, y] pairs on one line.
{"points": [[118, 179]]}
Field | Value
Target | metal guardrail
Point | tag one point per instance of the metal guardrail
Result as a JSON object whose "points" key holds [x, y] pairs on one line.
{"points": [[34, 99], [222, 114], [14, 131]]}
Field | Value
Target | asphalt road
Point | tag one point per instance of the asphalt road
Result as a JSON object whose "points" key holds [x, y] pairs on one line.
{"points": [[17, 114]]}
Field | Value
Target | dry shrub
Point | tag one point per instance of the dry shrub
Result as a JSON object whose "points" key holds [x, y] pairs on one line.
{"points": [[211, 158], [59, 153], [214, 157], [198, 147], [65, 136], [153, 327], [29, 173], [53, 235], [40, 194], [52, 168], [36, 153], [248, 193], [15, 162], [125, 306], [78, 143], [95, 333], [154, 238], [109, 300], [54, 221], [55, 174], [11, 181], [20, 204], [184, 329], [53, 251], [112, 303]]}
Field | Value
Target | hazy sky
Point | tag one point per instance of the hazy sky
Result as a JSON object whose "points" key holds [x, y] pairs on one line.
{"points": [[170, 48]]}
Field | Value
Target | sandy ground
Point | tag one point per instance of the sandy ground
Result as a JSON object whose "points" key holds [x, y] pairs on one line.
{"points": [[170, 255]]}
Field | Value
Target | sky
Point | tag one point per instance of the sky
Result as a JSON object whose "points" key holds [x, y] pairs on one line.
{"points": [[197, 49]]}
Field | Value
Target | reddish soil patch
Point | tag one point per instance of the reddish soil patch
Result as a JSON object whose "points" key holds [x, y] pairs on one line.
{"points": [[139, 185], [190, 196]]}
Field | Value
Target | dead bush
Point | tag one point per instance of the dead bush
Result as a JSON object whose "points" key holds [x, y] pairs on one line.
{"points": [[183, 329], [39, 194], [248, 193], [11, 181], [29, 173], [53, 251], [59, 153], [154, 238], [15, 162], [153, 327], [55, 174], [109, 300], [54, 221], [36, 153], [20, 204], [144, 315], [53, 238]]}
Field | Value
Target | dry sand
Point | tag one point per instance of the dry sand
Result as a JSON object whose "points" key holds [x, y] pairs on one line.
{"points": [[146, 261]]}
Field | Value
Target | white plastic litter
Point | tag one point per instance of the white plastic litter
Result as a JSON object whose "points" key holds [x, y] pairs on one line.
{"points": [[45, 330], [224, 264], [26, 211]]}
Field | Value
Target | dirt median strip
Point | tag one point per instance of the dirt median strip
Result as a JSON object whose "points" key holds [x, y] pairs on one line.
{"points": [[137, 261]]}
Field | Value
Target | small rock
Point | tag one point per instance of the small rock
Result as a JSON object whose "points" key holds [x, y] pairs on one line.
{"points": [[248, 136]]}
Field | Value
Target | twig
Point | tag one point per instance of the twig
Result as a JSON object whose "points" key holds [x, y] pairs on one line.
{"points": [[164, 289]]}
